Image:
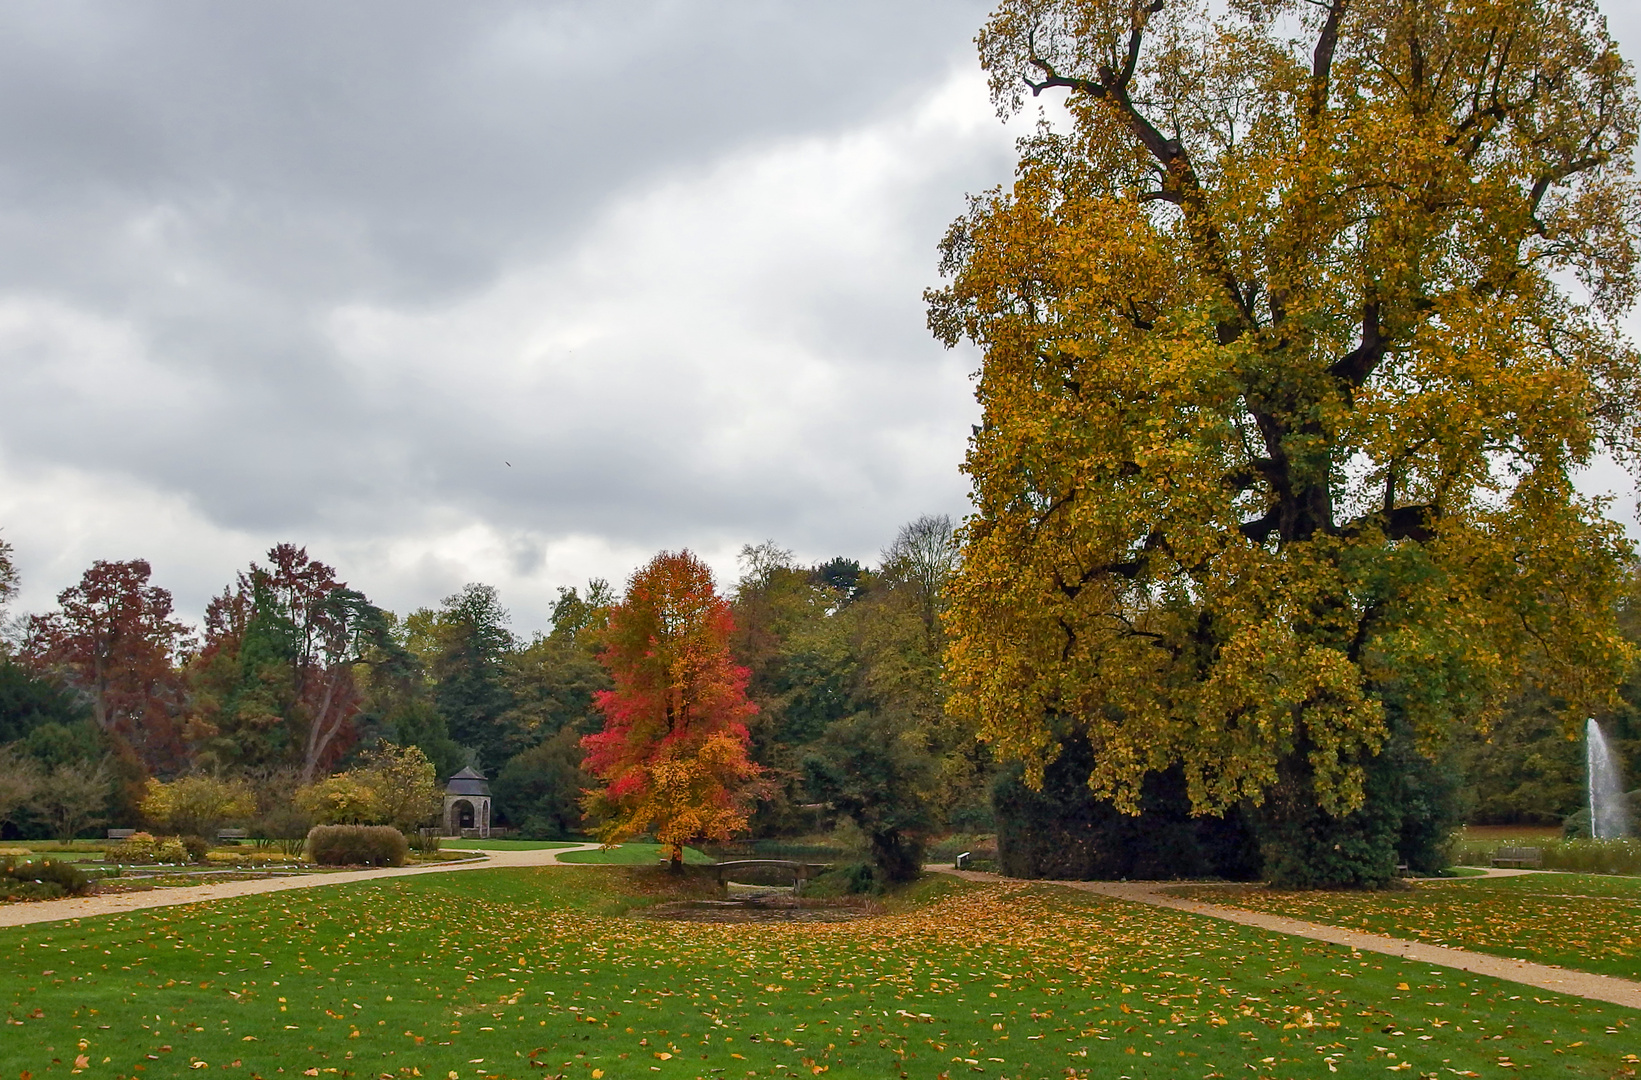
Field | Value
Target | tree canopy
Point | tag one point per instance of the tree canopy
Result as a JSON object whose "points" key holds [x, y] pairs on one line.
{"points": [[113, 639], [1293, 341], [673, 751]]}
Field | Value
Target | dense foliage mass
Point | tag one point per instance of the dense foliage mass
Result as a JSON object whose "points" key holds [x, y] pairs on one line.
{"points": [[303, 703], [1294, 339]]}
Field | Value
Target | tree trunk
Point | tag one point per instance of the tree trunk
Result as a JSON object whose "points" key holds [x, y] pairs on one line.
{"points": [[319, 735], [676, 859]]}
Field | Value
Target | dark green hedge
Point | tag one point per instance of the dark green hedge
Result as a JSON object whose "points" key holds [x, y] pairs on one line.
{"points": [[1064, 832]]}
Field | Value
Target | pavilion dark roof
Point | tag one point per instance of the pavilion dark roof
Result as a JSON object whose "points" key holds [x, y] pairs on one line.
{"points": [[467, 782]]}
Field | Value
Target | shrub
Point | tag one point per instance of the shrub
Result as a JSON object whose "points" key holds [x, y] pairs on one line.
{"points": [[396, 786], [285, 826], [196, 846], [144, 847], [41, 879], [343, 798], [198, 805], [540, 789], [353, 845]]}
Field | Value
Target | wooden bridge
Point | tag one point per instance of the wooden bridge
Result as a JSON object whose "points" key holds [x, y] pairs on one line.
{"points": [[801, 871]]}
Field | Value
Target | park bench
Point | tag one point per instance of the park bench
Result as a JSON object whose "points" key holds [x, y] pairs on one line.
{"points": [[1519, 857], [235, 835], [121, 834], [801, 871]]}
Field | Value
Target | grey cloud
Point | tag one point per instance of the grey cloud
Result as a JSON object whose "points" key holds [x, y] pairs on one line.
{"points": [[189, 191]]}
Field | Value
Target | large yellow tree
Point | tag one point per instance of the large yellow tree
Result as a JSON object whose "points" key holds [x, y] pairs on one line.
{"points": [[1294, 338]]}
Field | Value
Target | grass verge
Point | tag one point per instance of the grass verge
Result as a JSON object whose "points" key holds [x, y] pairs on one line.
{"points": [[633, 855], [539, 972], [1583, 921]]}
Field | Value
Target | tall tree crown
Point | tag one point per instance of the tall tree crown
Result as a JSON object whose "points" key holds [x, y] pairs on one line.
{"points": [[1293, 341], [113, 639], [673, 751]]}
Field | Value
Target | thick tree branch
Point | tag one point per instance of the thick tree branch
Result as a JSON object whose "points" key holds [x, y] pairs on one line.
{"points": [[1180, 183], [1322, 58], [1416, 523], [1260, 529], [1355, 366]]}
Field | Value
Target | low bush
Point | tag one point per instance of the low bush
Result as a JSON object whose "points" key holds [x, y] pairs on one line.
{"points": [[245, 857], [41, 879], [357, 845], [142, 848], [426, 843], [1580, 856], [1061, 831], [196, 846]]}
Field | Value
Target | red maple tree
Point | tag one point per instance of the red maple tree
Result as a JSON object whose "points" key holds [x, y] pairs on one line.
{"points": [[113, 638], [673, 754]]}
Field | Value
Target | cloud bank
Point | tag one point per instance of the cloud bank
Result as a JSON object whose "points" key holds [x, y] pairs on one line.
{"points": [[514, 293], [507, 293]]}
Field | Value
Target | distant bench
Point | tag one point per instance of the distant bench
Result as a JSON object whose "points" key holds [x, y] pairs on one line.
{"points": [[1519, 858]]}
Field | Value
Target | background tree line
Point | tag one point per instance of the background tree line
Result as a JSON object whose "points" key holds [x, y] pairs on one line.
{"points": [[297, 677], [301, 697]]}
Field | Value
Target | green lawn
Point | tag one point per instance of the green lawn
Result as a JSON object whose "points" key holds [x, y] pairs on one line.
{"points": [[540, 972], [633, 855], [1591, 922]]}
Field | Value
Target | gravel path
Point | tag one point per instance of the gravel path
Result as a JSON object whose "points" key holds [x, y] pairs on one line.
{"points": [[82, 907], [1541, 976]]}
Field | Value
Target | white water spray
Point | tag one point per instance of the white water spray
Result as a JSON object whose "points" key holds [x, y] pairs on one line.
{"points": [[1609, 817]]}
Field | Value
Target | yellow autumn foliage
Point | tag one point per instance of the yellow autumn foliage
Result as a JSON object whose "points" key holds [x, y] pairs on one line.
{"points": [[1293, 342]]}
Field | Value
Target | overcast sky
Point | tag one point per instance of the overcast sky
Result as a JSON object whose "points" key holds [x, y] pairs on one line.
{"points": [[513, 293]]}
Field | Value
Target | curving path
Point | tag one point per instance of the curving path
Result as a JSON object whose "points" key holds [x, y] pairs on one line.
{"points": [[1625, 992], [81, 907]]}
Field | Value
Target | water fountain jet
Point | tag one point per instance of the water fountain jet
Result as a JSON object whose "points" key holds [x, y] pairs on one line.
{"points": [[1609, 816]]}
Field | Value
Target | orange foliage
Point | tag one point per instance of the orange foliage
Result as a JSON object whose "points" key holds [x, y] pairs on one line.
{"points": [[673, 751]]}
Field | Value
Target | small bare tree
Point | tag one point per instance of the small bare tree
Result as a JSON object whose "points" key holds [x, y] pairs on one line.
{"points": [[924, 555], [72, 797], [19, 783]]}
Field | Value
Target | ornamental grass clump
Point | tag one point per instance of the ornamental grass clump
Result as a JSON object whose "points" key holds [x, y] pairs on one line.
{"points": [[357, 845], [1594, 856], [41, 879]]}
